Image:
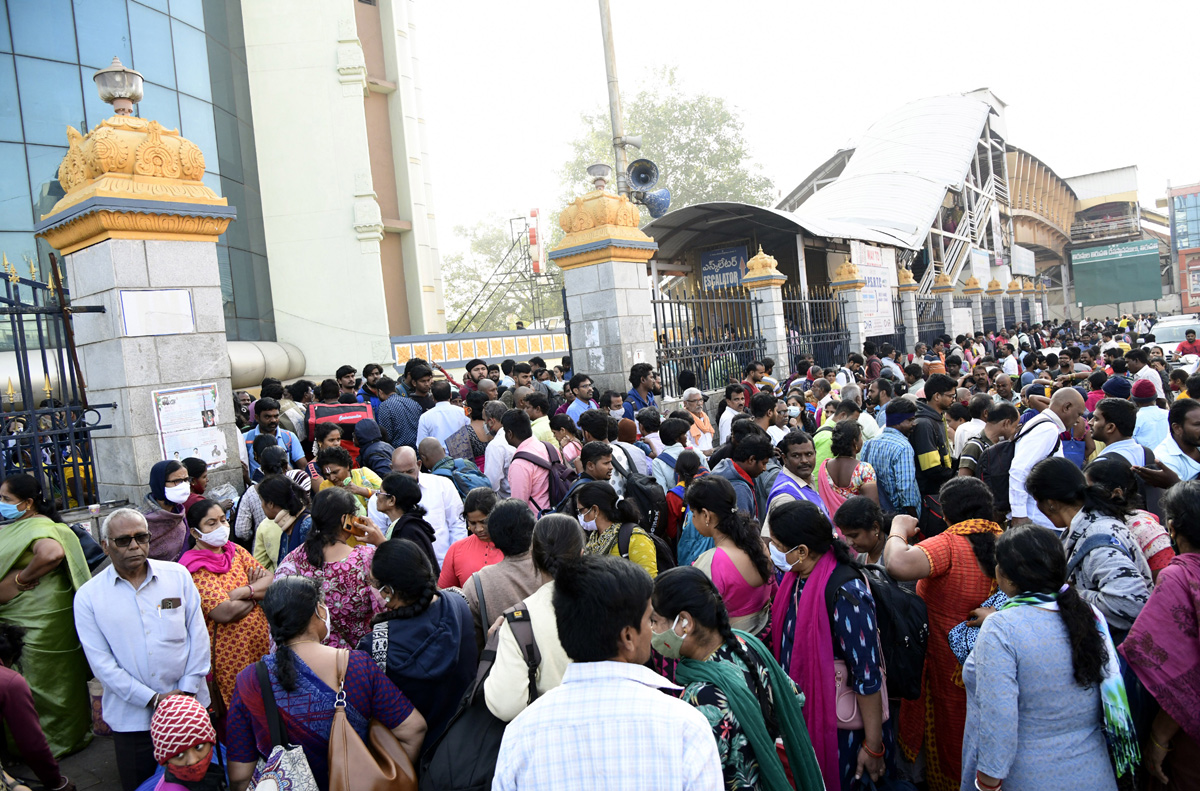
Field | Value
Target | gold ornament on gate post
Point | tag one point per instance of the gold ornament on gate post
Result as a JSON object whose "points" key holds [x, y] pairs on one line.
{"points": [[847, 278], [601, 226], [762, 270], [905, 281], [942, 284], [994, 289], [972, 287]]}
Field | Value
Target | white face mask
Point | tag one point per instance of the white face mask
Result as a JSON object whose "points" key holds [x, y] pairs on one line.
{"points": [[617, 413], [216, 538], [587, 524], [779, 558], [178, 493]]}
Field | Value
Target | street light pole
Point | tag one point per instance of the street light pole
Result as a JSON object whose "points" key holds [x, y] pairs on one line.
{"points": [[614, 100]]}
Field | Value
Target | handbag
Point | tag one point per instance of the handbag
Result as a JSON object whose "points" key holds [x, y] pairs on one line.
{"points": [[286, 766], [962, 637], [849, 718], [379, 764]]}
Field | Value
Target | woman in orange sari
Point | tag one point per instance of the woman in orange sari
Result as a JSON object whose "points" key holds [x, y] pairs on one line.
{"points": [[956, 570]]}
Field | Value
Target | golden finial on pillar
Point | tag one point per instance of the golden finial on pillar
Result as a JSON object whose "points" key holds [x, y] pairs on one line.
{"points": [[48, 390], [33, 275], [12, 396]]}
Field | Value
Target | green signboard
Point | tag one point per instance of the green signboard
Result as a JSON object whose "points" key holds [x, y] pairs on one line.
{"points": [[1114, 273]]}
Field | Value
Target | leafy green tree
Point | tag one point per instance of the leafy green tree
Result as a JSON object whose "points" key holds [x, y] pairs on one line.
{"points": [[696, 141], [487, 285]]}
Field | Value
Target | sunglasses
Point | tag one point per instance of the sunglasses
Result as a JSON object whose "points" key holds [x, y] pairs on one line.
{"points": [[124, 541]]}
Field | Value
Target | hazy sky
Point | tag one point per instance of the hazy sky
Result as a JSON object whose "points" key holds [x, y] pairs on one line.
{"points": [[1089, 86]]}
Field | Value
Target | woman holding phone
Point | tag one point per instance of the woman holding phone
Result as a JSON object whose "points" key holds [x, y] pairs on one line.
{"points": [[338, 554]]}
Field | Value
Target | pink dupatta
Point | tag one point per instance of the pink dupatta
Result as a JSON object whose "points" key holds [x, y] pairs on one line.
{"points": [[811, 665], [216, 562], [829, 494]]}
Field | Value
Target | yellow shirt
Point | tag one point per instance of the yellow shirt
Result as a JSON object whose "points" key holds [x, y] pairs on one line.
{"points": [[359, 476], [543, 432], [641, 548]]}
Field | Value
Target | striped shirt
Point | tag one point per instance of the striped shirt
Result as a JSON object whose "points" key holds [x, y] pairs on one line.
{"points": [[895, 465]]}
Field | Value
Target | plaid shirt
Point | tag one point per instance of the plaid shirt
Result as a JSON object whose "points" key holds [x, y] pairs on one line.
{"points": [[895, 465], [608, 727], [398, 417]]}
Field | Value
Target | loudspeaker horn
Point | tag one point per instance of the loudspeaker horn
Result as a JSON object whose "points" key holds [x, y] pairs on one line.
{"points": [[657, 202], [643, 174]]}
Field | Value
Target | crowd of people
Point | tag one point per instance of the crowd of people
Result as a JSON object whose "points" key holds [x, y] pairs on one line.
{"points": [[970, 567]]}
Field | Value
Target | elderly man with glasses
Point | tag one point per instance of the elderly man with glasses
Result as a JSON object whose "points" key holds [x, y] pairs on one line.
{"points": [[143, 631], [700, 435]]}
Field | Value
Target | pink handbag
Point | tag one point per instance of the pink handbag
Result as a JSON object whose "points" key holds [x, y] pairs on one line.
{"points": [[849, 718]]}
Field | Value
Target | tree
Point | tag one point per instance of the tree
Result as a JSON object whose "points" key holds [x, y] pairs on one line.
{"points": [[491, 286], [696, 141]]}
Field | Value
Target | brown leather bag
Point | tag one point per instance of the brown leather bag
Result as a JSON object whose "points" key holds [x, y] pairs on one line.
{"points": [[380, 764]]}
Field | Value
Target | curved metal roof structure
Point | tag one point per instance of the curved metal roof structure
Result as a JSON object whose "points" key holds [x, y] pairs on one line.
{"points": [[902, 166]]}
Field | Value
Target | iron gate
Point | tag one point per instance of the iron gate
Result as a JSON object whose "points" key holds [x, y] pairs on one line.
{"points": [[896, 338], [47, 419], [1026, 311], [930, 321], [1010, 312], [816, 326], [989, 315], [712, 333]]}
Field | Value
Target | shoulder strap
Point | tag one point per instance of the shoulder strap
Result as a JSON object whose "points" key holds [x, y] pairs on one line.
{"points": [[1091, 543], [483, 617], [624, 536], [617, 465], [379, 644], [532, 458], [551, 453], [343, 662], [840, 576], [274, 722], [628, 458], [522, 629], [1149, 456]]}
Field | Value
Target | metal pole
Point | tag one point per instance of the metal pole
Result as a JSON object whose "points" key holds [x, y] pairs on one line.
{"points": [[614, 99]]}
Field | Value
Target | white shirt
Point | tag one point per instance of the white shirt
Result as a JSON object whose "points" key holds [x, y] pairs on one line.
{"points": [[1130, 449], [1150, 375], [608, 727], [723, 426], [1036, 444], [496, 458], [440, 422], [776, 433], [1009, 366], [443, 511], [894, 367], [870, 426], [664, 473], [965, 432], [641, 463], [1171, 455]]}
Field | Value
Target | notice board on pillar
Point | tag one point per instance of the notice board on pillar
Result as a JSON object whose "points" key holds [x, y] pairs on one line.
{"points": [[186, 418], [1112, 273], [877, 266]]}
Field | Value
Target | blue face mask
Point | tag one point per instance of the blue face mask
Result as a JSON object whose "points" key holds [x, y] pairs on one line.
{"points": [[10, 511]]}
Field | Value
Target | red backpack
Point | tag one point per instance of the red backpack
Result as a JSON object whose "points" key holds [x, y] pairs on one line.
{"points": [[342, 415]]}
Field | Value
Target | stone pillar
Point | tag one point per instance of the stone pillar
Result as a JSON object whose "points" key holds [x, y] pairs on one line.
{"points": [[944, 289], [848, 283], [1014, 291], [138, 229], [765, 282], [603, 257], [1038, 304], [973, 290], [908, 307], [995, 292]]}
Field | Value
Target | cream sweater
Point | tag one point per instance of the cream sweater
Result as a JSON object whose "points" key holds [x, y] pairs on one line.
{"points": [[506, 690]]}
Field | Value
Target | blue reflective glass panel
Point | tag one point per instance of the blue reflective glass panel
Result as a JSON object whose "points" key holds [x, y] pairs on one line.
{"points": [[93, 107], [220, 70], [43, 28], [262, 285], [238, 234], [17, 246], [190, 11], [160, 104], [245, 295], [196, 124], [157, 5], [191, 60], [229, 148], [10, 113], [105, 27], [5, 39], [15, 212], [150, 33], [43, 170], [50, 100]]}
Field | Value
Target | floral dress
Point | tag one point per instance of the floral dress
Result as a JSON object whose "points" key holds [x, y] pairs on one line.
{"points": [[739, 763], [347, 594], [238, 644]]}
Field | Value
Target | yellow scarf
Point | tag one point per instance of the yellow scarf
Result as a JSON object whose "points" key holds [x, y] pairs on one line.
{"points": [[975, 526]]}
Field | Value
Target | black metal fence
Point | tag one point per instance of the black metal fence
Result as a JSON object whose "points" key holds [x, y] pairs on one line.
{"points": [[48, 433], [896, 338], [1010, 312], [712, 333], [1026, 310], [989, 314], [816, 326], [962, 302], [930, 321]]}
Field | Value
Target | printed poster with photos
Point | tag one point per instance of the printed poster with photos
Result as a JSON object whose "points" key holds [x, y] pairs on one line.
{"points": [[186, 418]]}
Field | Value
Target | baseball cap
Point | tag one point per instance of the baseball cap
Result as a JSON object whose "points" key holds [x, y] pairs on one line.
{"points": [[1143, 392]]}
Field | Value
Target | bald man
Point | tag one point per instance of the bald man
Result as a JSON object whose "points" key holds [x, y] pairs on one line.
{"points": [[1040, 439], [443, 507]]}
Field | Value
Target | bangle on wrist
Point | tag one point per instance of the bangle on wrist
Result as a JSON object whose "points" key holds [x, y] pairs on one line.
{"points": [[982, 786], [871, 752], [1165, 749]]}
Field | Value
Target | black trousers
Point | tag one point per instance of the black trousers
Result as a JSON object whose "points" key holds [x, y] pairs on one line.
{"points": [[135, 758]]}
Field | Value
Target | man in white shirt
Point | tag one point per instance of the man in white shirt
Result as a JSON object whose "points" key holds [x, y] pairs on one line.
{"points": [[608, 725], [444, 419], [443, 507], [1138, 361], [1008, 360], [866, 418], [978, 406], [735, 402], [1151, 427], [1037, 440], [499, 453], [1181, 450]]}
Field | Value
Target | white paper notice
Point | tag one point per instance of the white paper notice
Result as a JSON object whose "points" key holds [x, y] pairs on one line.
{"points": [[187, 424]]}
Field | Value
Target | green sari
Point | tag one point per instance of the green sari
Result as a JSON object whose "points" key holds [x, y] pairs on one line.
{"points": [[52, 662]]}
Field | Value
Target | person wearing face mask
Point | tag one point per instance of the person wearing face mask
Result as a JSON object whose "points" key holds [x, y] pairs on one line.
{"points": [[41, 568], [337, 554], [231, 583], [732, 677], [602, 516], [185, 746], [423, 639], [303, 673], [829, 645], [170, 488], [399, 499]]}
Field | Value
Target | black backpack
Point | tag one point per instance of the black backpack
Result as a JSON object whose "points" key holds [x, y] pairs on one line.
{"points": [[664, 558], [903, 622], [464, 757], [560, 479], [647, 494], [995, 465]]}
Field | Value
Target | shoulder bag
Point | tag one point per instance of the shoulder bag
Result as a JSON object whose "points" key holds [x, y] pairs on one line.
{"points": [[286, 766], [379, 764]]}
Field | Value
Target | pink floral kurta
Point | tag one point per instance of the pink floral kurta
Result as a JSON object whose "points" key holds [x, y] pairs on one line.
{"points": [[347, 594]]}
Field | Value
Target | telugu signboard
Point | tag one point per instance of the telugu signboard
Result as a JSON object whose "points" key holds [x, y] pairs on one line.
{"points": [[1113, 273], [877, 266], [1023, 261], [722, 268], [187, 424]]}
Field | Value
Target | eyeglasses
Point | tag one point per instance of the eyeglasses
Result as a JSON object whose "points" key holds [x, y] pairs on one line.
{"points": [[124, 541], [178, 481]]}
